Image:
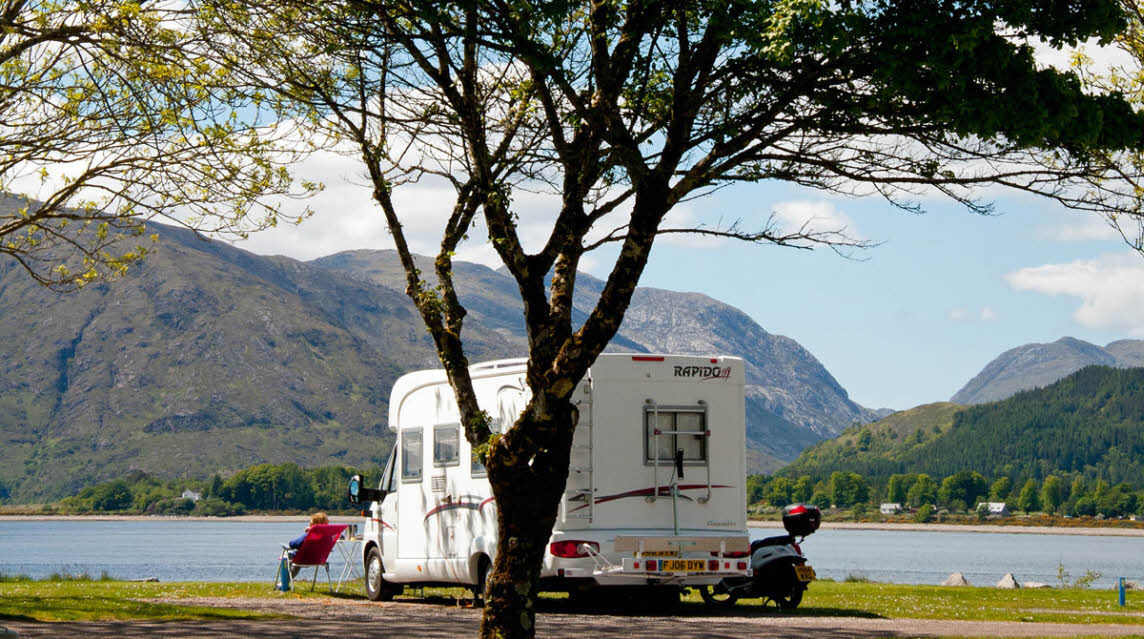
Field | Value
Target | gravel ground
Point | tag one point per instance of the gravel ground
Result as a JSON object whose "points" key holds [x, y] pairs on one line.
{"points": [[367, 620]]}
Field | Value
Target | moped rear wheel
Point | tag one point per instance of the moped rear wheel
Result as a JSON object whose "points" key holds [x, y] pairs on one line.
{"points": [[791, 600], [717, 596]]}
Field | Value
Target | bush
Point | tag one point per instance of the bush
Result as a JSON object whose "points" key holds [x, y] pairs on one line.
{"points": [[924, 514], [114, 495], [214, 507], [173, 506]]}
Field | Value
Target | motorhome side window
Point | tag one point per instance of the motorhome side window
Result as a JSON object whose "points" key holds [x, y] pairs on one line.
{"points": [[478, 469], [447, 445], [411, 455], [670, 429]]}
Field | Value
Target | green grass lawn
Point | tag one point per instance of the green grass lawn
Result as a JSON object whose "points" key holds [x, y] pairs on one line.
{"points": [[74, 600], [826, 598]]}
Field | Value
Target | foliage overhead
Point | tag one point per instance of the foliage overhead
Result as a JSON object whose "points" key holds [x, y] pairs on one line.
{"points": [[113, 113], [621, 110]]}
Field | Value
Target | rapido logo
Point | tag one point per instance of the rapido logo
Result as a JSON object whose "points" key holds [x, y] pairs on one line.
{"points": [[703, 372]]}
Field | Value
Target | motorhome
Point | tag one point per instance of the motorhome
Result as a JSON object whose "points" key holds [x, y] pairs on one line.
{"points": [[655, 493]]}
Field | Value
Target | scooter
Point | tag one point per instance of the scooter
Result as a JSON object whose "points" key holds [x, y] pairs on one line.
{"points": [[779, 570]]}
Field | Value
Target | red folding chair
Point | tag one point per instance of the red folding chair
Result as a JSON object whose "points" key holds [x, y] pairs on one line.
{"points": [[315, 551]]}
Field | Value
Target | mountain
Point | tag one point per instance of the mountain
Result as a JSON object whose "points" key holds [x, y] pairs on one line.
{"points": [[1035, 365], [207, 358], [792, 400], [1090, 422]]}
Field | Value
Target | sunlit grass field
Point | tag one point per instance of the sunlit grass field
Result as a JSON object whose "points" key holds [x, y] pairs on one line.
{"points": [[84, 599]]}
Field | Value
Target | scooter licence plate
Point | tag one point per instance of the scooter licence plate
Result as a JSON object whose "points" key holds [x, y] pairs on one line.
{"points": [[684, 565], [804, 573]]}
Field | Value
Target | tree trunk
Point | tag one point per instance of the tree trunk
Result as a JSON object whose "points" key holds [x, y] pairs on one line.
{"points": [[528, 475]]}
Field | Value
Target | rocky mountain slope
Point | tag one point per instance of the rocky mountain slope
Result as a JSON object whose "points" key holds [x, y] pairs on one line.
{"points": [[208, 358], [1037, 365], [792, 400]]}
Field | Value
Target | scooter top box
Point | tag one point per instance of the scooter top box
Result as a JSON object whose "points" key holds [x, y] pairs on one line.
{"points": [[801, 519]]}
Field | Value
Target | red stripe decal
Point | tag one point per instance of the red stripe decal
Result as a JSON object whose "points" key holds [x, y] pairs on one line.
{"points": [[664, 491]]}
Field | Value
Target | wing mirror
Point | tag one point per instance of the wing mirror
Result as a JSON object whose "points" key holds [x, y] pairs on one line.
{"points": [[357, 493]]}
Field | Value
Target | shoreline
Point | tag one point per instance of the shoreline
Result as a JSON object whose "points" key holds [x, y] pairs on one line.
{"points": [[1097, 531], [1090, 531]]}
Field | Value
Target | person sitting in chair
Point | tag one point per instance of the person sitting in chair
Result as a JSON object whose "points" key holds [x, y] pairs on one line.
{"points": [[295, 544]]}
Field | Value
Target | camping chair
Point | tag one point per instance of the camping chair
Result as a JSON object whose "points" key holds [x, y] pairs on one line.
{"points": [[314, 551]]}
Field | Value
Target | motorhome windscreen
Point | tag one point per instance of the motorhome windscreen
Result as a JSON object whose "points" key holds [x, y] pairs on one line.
{"points": [[447, 445], [411, 455], [667, 430]]}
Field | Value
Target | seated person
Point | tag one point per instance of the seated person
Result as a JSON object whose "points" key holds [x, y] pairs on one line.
{"points": [[295, 544]]}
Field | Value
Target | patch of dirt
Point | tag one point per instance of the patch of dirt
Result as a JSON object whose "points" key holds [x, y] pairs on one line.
{"points": [[434, 620]]}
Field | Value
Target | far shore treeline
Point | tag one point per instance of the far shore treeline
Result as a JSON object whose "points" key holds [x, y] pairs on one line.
{"points": [[261, 488], [964, 492], [269, 488]]}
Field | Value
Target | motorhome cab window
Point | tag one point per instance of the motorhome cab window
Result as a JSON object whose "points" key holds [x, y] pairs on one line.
{"points": [[447, 445], [411, 455], [674, 426]]}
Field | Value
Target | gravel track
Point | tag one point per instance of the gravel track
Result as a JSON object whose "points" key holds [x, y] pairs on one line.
{"points": [[367, 620]]}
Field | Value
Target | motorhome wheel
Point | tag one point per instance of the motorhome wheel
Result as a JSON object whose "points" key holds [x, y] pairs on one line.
{"points": [[375, 586], [480, 588]]}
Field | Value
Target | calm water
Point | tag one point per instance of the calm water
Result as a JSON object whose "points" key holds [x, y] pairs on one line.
{"points": [[248, 551]]}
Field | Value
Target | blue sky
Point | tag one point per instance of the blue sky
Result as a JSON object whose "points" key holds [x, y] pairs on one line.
{"points": [[911, 320], [904, 323], [901, 324]]}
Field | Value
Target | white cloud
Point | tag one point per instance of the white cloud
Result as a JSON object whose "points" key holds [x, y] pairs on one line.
{"points": [[1086, 228], [987, 314], [346, 216], [1110, 287], [957, 314], [1104, 59], [815, 217]]}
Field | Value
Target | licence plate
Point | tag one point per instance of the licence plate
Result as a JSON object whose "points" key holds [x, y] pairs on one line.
{"points": [[804, 573], [684, 565]]}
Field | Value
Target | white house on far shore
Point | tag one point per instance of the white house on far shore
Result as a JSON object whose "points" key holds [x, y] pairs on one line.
{"points": [[890, 508], [994, 508]]}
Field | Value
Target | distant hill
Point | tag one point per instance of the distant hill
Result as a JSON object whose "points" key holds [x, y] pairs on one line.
{"points": [[1091, 422], [207, 358], [1035, 365]]}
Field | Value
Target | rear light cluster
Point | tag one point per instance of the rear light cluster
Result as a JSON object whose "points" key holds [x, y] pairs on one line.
{"points": [[732, 554], [572, 548]]}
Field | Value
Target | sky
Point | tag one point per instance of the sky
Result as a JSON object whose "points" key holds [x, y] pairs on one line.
{"points": [[906, 322], [903, 323]]}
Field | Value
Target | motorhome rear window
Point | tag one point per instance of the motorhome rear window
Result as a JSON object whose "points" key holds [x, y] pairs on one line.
{"points": [[478, 469], [411, 455], [447, 445], [667, 430]]}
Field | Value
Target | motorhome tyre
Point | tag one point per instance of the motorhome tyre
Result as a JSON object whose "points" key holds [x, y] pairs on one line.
{"points": [[375, 586], [484, 565]]}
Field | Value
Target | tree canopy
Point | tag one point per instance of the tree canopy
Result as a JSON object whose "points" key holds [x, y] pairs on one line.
{"points": [[113, 113], [619, 111]]}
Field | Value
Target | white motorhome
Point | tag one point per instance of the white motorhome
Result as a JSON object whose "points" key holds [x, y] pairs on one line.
{"points": [[655, 493]]}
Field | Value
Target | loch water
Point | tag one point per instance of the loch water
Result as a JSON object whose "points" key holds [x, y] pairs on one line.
{"points": [[230, 550]]}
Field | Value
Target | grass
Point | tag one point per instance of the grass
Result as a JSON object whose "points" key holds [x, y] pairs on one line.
{"points": [[22, 599], [108, 600]]}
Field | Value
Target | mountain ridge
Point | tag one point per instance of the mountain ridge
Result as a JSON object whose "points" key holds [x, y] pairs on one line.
{"points": [[1036, 365], [208, 358]]}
